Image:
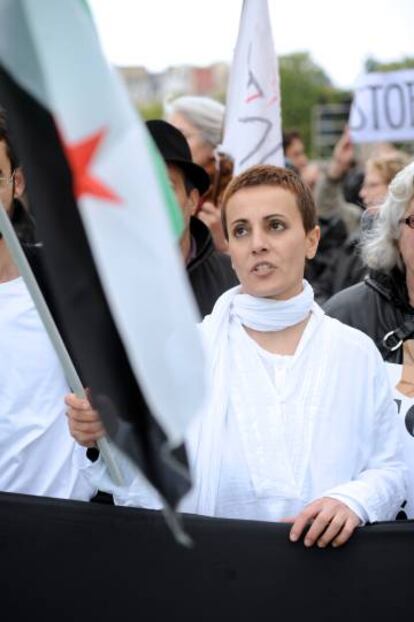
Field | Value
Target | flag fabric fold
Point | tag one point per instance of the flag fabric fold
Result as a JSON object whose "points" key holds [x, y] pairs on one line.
{"points": [[109, 224], [252, 132]]}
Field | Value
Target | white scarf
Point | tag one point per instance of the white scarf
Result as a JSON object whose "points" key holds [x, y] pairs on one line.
{"points": [[266, 314], [207, 436]]}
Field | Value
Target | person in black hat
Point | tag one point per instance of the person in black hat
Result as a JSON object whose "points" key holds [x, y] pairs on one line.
{"points": [[209, 271]]}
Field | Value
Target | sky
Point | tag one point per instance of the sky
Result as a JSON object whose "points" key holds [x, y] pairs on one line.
{"points": [[339, 35]]}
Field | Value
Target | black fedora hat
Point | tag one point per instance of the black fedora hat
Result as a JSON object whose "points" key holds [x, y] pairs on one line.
{"points": [[174, 148]]}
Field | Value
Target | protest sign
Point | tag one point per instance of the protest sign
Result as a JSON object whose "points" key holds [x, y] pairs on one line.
{"points": [[383, 107]]}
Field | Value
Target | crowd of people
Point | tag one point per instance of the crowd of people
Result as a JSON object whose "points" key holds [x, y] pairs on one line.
{"points": [[304, 280]]}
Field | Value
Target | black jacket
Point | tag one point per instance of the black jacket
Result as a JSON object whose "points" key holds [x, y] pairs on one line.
{"points": [[349, 268], [210, 272], [320, 272], [376, 306]]}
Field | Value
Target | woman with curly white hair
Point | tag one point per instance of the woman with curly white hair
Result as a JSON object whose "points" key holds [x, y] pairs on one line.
{"points": [[384, 302], [383, 305]]}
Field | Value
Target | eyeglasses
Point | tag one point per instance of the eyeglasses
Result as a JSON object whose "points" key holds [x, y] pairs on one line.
{"points": [[408, 221], [6, 181]]}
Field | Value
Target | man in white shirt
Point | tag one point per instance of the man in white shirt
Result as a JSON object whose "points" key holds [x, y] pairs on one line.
{"points": [[36, 450]]}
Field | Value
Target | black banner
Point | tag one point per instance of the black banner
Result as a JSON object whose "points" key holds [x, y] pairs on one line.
{"points": [[76, 561]]}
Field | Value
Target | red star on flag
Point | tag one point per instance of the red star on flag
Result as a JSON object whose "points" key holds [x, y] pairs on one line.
{"points": [[80, 156]]}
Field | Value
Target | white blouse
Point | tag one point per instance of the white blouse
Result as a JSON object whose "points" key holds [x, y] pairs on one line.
{"points": [[293, 429], [236, 495]]}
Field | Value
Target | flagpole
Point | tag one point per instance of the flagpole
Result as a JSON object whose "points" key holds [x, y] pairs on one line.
{"points": [[69, 369]]}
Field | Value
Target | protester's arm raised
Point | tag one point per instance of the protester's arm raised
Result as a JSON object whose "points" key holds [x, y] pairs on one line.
{"points": [[210, 215], [343, 156], [85, 424]]}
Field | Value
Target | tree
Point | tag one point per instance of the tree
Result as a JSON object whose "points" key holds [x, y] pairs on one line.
{"points": [[304, 84], [371, 64], [150, 111]]}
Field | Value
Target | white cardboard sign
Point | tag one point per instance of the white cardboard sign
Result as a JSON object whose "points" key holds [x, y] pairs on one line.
{"points": [[383, 107]]}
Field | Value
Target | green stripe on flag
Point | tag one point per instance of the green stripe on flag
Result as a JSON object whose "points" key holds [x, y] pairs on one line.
{"points": [[86, 5], [174, 212]]}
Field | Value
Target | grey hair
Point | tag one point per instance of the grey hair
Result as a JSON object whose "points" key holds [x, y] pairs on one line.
{"points": [[206, 114], [379, 248]]}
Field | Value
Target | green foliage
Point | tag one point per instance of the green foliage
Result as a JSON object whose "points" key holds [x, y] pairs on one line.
{"points": [[371, 64], [304, 84], [151, 111]]}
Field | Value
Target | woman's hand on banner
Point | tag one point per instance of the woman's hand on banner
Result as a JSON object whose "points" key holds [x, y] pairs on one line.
{"points": [[331, 522], [85, 424]]}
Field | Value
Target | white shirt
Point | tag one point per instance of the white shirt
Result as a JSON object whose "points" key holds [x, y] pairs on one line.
{"points": [[236, 495], [405, 407], [36, 449], [319, 423]]}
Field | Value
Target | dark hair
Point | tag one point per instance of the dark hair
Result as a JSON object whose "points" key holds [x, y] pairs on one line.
{"points": [[5, 136], [289, 137], [188, 184], [267, 175], [21, 217]]}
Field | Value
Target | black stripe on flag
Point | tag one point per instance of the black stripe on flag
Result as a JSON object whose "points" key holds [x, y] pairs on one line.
{"points": [[81, 309]]}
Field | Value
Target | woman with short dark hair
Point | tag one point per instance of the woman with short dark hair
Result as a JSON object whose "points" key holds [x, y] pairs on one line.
{"points": [[300, 423]]}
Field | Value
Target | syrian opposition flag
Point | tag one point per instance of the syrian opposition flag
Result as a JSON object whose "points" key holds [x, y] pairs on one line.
{"points": [[252, 132], [109, 224]]}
